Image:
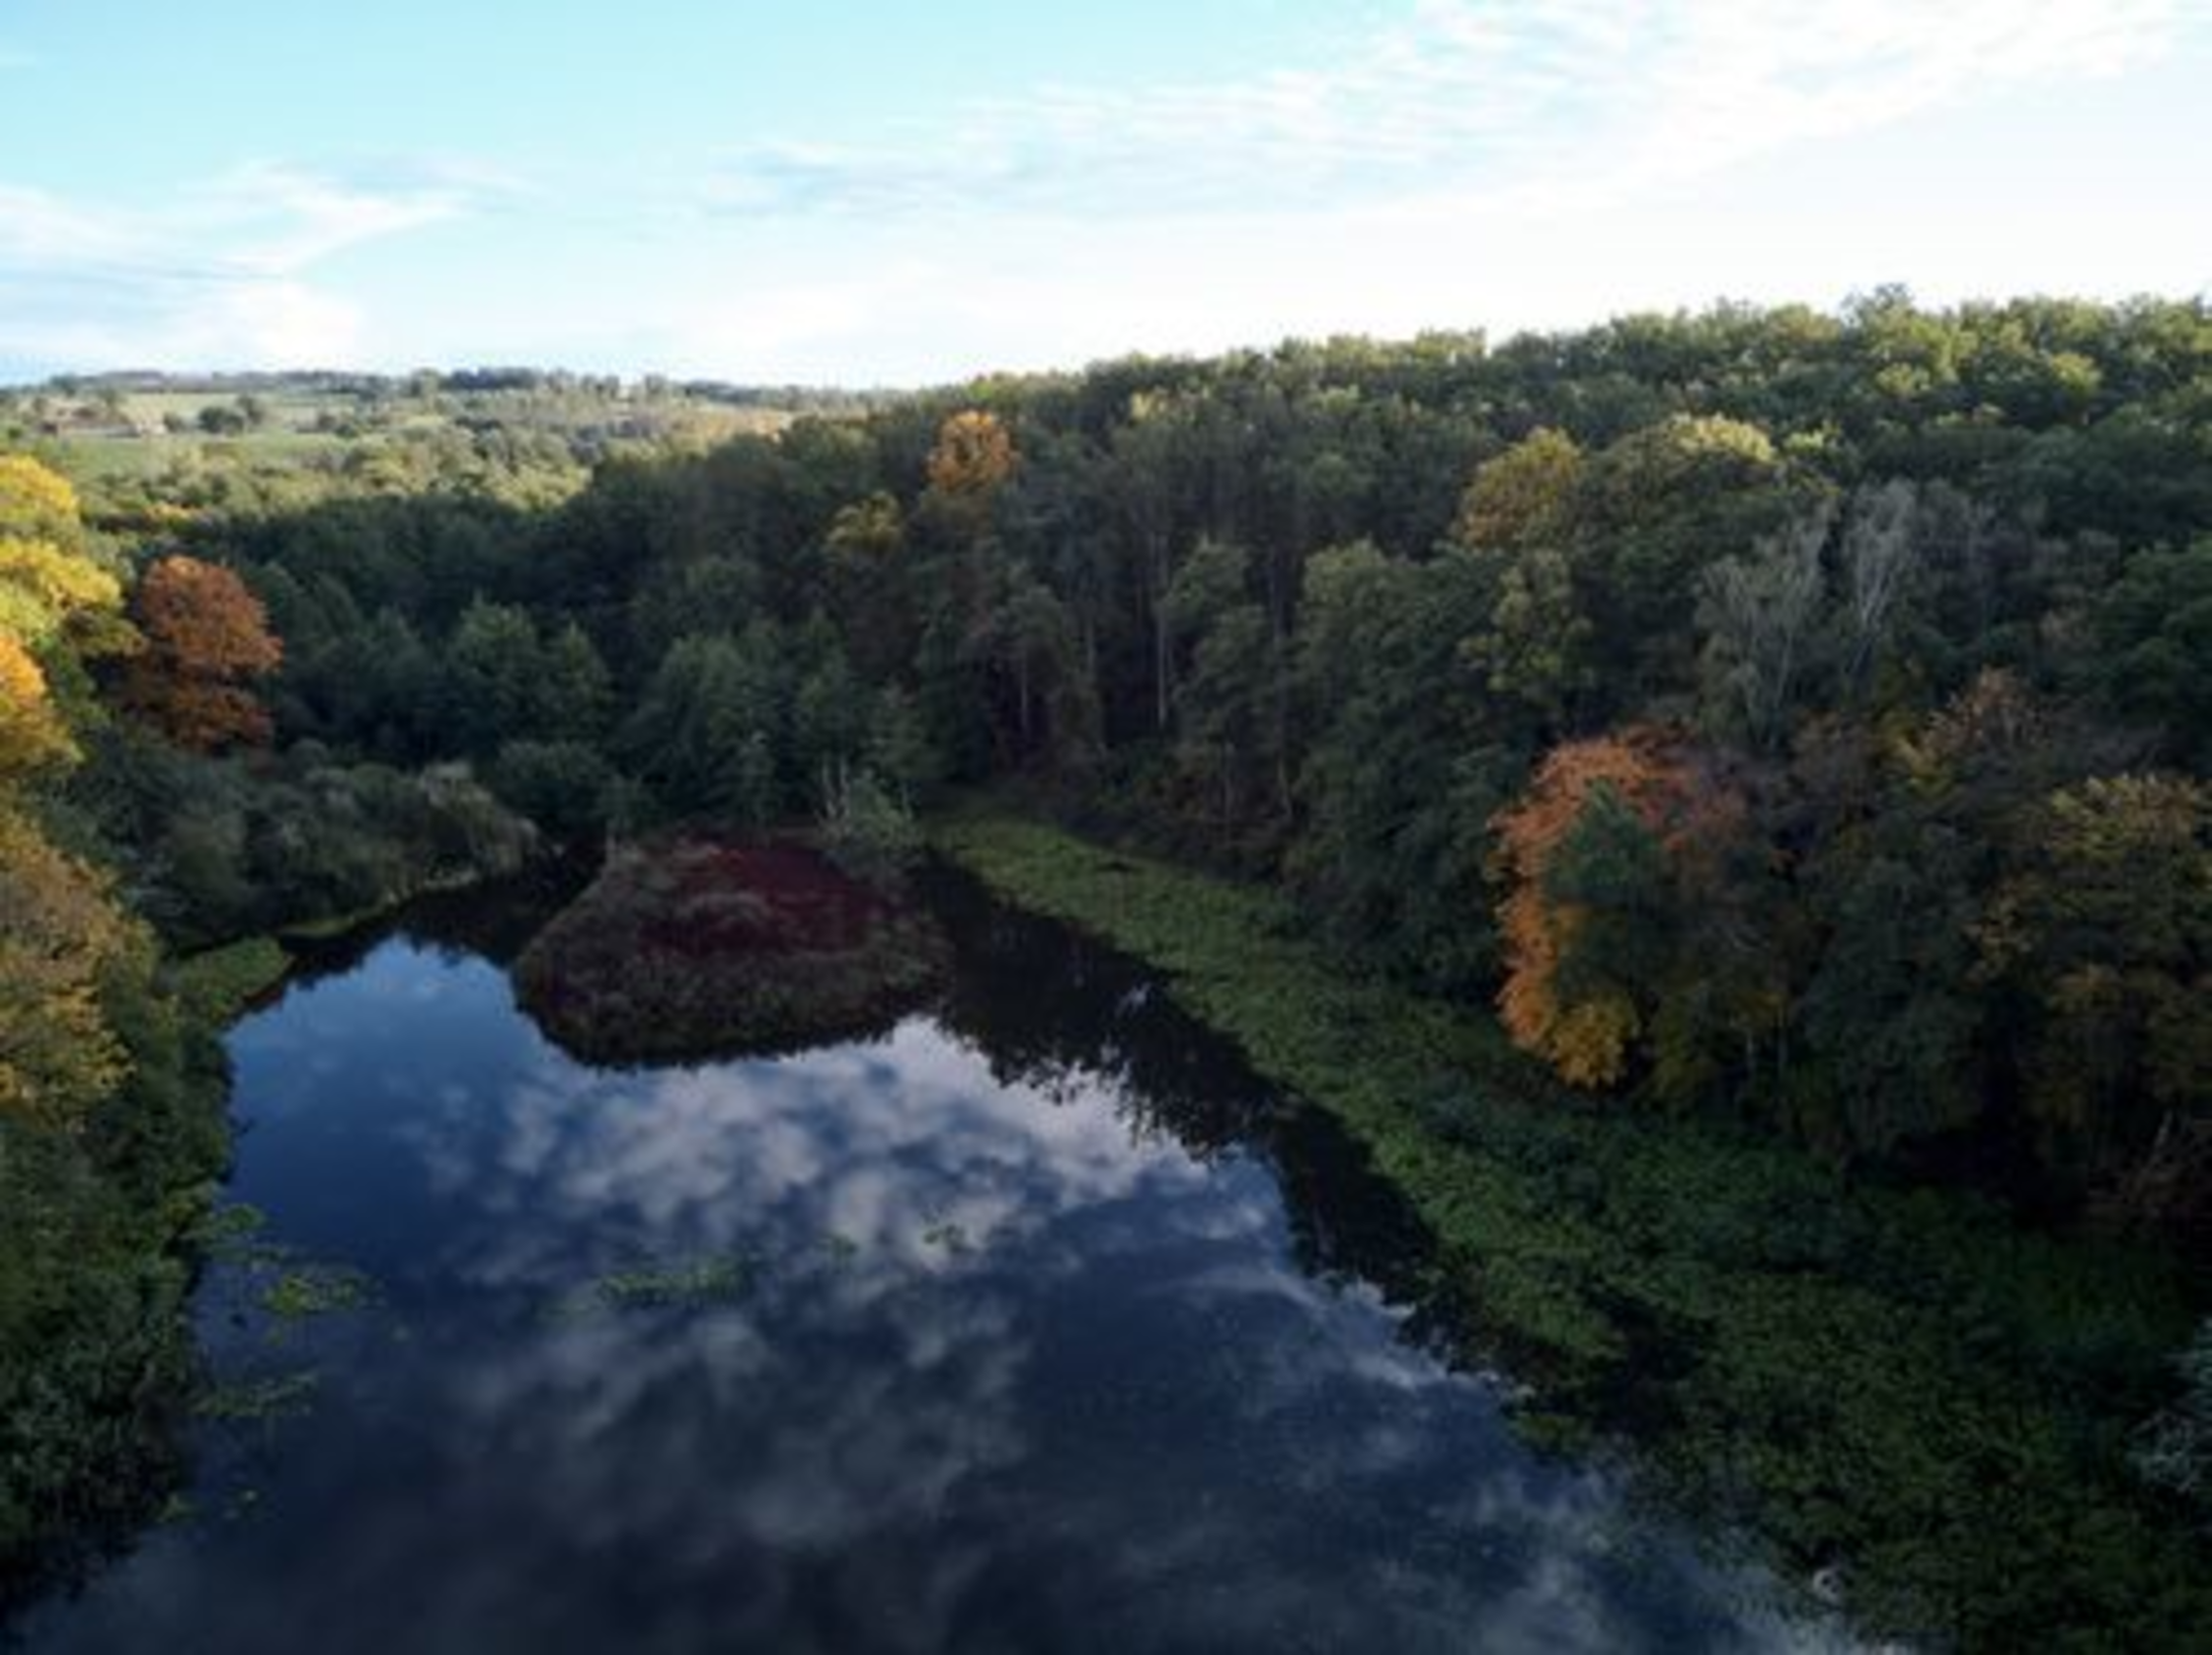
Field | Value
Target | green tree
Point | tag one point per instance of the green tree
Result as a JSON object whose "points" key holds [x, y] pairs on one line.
{"points": [[496, 674], [2105, 926], [2152, 646], [1408, 764]]}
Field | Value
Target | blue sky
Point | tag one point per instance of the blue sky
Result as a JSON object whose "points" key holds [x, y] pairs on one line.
{"points": [[887, 194]]}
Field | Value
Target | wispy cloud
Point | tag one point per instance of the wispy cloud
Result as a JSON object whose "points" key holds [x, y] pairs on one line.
{"points": [[223, 270], [275, 220], [1460, 94], [1415, 163]]}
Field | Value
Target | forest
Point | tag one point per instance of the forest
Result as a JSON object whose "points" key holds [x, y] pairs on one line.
{"points": [[1785, 726]]}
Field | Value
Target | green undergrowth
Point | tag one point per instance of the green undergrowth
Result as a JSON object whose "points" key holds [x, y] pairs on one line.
{"points": [[103, 1233], [221, 984], [1904, 1386], [323, 927], [97, 1260]]}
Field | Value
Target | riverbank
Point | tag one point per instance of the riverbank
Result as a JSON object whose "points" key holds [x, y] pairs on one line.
{"points": [[1899, 1389], [101, 1231], [103, 1236]]}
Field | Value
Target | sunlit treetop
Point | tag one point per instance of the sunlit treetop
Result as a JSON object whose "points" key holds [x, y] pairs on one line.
{"points": [[974, 456], [1523, 498], [32, 734], [37, 501]]}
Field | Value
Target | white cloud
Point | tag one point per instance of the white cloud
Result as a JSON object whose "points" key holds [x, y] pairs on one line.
{"points": [[223, 273], [279, 220], [34, 226], [1508, 98], [1458, 163], [1485, 164]]}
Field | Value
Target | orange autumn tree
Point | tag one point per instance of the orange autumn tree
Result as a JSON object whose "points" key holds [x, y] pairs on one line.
{"points": [[974, 455], [1605, 854], [974, 458], [206, 636]]}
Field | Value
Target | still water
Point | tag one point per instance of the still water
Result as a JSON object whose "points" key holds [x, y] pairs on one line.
{"points": [[1033, 1324]]}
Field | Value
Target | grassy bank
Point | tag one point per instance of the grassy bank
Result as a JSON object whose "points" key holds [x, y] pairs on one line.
{"points": [[219, 986], [100, 1233], [1902, 1384]]}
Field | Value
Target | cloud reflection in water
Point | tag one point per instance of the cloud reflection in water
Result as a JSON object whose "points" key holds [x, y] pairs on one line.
{"points": [[1012, 1368]]}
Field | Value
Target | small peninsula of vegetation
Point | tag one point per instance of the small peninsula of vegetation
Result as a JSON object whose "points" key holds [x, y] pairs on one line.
{"points": [[684, 951]]}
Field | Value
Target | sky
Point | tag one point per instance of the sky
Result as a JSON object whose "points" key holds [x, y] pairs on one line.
{"points": [[838, 192]]}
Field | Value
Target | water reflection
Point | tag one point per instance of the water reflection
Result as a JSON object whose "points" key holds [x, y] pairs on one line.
{"points": [[1025, 1349]]}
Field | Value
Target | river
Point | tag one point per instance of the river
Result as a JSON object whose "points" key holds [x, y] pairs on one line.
{"points": [[1034, 1323]]}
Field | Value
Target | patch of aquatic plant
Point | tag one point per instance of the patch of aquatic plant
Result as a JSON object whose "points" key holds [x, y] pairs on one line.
{"points": [[948, 1235], [278, 1280], [302, 1291], [260, 1397], [1905, 1390], [651, 1285], [230, 1229]]}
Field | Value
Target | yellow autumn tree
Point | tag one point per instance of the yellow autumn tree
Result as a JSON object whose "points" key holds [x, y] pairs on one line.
{"points": [[37, 501], [48, 582], [32, 734], [62, 936], [1522, 498], [42, 587], [2105, 926], [56, 604], [61, 939]]}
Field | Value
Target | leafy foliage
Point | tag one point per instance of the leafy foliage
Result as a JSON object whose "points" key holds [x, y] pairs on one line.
{"points": [[2107, 926], [61, 940], [205, 636]]}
